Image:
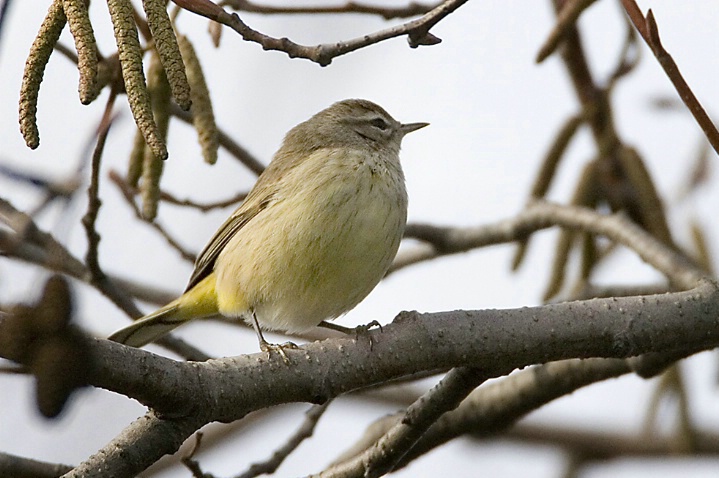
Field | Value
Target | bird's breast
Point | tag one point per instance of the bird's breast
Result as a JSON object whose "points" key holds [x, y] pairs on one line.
{"points": [[321, 247]]}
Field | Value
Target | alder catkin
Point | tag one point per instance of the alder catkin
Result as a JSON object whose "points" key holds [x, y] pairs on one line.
{"points": [[203, 117], [37, 59], [137, 157], [167, 48], [78, 18], [130, 53], [152, 166]]}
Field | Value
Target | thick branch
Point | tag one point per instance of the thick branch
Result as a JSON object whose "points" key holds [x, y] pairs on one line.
{"points": [[127, 456], [17, 466], [496, 406], [495, 341]]}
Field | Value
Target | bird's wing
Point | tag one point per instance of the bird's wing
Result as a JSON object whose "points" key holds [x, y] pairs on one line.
{"points": [[253, 205], [263, 194]]}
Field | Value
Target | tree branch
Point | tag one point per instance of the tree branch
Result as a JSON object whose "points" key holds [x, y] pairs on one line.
{"points": [[647, 28], [17, 466], [388, 13], [383, 455], [496, 406], [417, 32], [496, 341], [29, 243], [541, 215]]}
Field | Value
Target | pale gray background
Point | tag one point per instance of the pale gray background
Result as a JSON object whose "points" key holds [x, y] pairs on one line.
{"points": [[492, 112]]}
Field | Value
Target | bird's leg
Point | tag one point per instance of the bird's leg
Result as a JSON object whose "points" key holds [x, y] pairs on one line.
{"points": [[265, 346], [357, 331]]}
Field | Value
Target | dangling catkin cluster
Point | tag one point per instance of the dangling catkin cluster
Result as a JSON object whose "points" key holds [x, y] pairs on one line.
{"points": [[128, 45], [95, 72], [35, 69], [160, 94], [78, 18], [168, 50], [202, 115]]}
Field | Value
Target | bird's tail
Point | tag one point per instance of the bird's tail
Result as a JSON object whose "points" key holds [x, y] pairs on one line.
{"points": [[198, 302]]}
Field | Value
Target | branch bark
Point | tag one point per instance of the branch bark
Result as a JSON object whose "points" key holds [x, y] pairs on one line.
{"points": [[185, 396]]}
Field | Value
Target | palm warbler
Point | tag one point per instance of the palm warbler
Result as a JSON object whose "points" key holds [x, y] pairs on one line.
{"points": [[315, 235]]}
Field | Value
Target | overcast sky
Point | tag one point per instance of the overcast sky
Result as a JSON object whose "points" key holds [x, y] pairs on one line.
{"points": [[493, 112]]}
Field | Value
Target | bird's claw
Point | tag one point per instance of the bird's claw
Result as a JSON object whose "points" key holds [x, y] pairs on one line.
{"points": [[279, 349]]}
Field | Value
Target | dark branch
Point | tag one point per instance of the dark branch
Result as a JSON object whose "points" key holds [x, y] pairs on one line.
{"points": [[649, 31], [417, 32]]}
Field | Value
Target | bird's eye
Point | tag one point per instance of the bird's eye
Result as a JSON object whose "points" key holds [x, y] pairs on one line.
{"points": [[379, 123]]}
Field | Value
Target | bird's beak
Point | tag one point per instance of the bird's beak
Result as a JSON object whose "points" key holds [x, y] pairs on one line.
{"points": [[408, 128]]}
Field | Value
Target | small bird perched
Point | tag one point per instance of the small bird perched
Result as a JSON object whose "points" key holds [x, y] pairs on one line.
{"points": [[314, 236]]}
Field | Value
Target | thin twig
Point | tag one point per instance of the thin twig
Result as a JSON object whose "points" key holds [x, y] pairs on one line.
{"points": [[127, 193], [417, 32], [566, 19], [648, 29], [130, 191], [388, 13], [628, 57], [269, 466], [67, 52], [94, 203], [232, 147]]}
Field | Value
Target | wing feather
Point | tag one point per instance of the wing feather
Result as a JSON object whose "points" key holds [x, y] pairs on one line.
{"points": [[205, 262]]}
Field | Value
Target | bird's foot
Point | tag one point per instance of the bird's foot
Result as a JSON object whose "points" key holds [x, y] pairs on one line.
{"points": [[278, 348], [357, 331]]}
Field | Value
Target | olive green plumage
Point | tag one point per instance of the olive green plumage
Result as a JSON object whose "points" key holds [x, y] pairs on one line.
{"points": [[314, 236]]}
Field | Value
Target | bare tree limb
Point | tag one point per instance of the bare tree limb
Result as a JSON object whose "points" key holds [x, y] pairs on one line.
{"points": [[449, 240], [383, 456], [417, 32], [649, 31], [496, 341], [29, 243], [269, 466], [496, 406], [598, 445], [18, 467], [388, 13]]}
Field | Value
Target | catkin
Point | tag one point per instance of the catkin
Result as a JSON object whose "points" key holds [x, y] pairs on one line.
{"points": [[130, 55], [78, 19], [166, 45], [650, 207], [152, 166], [203, 117], [137, 157], [37, 59]]}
